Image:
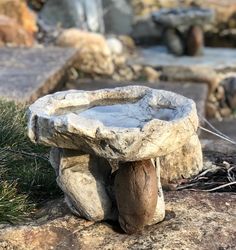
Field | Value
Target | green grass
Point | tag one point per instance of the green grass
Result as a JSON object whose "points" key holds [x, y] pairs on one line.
{"points": [[26, 177]]}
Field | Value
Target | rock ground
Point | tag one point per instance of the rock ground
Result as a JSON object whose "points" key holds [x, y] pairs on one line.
{"points": [[194, 220]]}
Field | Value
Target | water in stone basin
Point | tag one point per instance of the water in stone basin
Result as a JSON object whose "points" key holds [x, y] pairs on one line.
{"points": [[124, 115]]}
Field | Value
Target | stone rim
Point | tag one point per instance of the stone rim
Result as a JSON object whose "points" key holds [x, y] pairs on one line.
{"points": [[121, 144]]}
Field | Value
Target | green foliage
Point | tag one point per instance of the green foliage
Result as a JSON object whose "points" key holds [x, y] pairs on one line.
{"points": [[25, 172]]}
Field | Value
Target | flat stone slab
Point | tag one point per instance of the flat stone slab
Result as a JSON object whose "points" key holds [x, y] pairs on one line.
{"points": [[196, 92], [214, 58], [26, 74], [194, 220]]}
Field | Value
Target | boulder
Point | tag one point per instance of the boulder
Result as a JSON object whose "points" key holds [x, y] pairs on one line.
{"points": [[86, 15], [118, 16], [95, 56]]}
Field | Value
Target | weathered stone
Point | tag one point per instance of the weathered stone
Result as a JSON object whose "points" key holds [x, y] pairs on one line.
{"points": [[85, 15], [13, 34], [183, 163], [95, 55], [84, 179], [184, 227], [136, 194], [229, 85], [197, 92], [25, 75], [174, 42], [118, 16], [183, 18], [126, 132], [195, 41], [115, 45]]}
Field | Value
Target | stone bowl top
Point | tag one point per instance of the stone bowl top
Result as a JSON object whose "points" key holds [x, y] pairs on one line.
{"points": [[126, 124], [177, 17]]}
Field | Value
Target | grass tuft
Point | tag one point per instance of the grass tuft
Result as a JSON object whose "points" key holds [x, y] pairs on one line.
{"points": [[26, 177]]}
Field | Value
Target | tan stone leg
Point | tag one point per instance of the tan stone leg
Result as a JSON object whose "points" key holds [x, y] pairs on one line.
{"points": [[84, 179], [183, 163]]}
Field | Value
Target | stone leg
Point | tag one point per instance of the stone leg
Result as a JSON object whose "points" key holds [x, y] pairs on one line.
{"points": [[174, 42], [185, 162], [84, 180], [159, 214], [194, 41]]}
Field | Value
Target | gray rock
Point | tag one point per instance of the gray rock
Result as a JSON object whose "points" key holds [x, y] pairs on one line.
{"points": [[174, 42], [87, 15], [27, 74], [129, 131], [183, 18], [145, 28], [229, 85], [185, 162], [84, 180], [118, 16]]}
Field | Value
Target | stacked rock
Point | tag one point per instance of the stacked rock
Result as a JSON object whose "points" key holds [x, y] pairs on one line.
{"points": [[110, 145], [183, 29]]}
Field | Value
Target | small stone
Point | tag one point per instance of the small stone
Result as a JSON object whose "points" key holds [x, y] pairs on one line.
{"points": [[136, 194], [82, 14], [119, 60], [212, 110], [115, 45], [225, 112], [127, 42], [151, 74], [229, 85], [195, 41], [220, 93], [118, 16], [95, 55]]}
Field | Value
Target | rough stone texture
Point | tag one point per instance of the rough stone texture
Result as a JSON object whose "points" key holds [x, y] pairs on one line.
{"points": [[157, 57], [85, 15], [95, 55], [84, 179], [118, 16], [89, 186], [27, 74], [13, 34], [194, 220], [183, 17], [136, 194], [127, 131], [197, 92], [182, 163]]}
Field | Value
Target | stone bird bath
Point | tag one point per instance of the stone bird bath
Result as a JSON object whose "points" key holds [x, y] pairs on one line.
{"points": [[110, 145]]}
